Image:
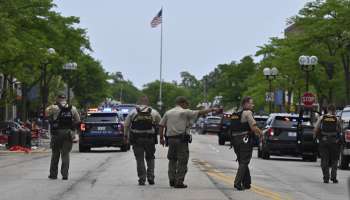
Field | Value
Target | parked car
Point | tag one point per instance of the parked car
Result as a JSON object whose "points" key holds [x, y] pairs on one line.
{"points": [[282, 137], [212, 124], [344, 157], [225, 135]]}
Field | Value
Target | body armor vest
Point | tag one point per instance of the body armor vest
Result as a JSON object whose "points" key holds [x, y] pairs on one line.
{"points": [[329, 125], [143, 121]]}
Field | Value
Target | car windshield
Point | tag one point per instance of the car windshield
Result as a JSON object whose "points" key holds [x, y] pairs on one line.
{"points": [[345, 114], [289, 122], [102, 117], [214, 120]]}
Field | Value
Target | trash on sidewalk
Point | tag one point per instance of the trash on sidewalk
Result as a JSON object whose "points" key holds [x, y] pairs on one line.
{"points": [[20, 149]]}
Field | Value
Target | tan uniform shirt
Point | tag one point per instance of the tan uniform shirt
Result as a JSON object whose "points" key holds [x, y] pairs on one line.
{"points": [[127, 123], [247, 116], [178, 120], [53, 111]]}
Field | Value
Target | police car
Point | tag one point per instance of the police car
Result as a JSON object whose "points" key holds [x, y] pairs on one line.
{"points": [[125, 109], [102, 129], [281, 137]]}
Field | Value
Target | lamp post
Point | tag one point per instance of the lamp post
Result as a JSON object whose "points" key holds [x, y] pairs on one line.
{"points": [[307, 64], [69, 67], [270, 75], [44, 84]]}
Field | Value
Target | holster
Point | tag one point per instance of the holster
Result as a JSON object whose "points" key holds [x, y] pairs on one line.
{"points": [[186, 138], [166, 141]]}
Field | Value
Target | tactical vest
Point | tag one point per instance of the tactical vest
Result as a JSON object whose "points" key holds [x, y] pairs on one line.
{"points": [[64, 118], [237, 126], [329, 125], [143, 120]]}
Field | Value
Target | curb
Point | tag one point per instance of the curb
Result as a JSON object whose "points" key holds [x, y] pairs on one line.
{"points": [[41, 150]]}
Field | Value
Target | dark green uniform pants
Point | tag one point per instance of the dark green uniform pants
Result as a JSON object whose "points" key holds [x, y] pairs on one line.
{"points": [[329, 152], [178, 155], [145, 148], [61, 145], [244, 154]]}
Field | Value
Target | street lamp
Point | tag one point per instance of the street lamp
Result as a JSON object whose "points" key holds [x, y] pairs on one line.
{"points": [[69, 67], [270, 75], [44, 84], [307, 64]]}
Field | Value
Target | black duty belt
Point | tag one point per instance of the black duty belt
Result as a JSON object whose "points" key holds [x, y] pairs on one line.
{"points": [[176, 136], [145, 135]]}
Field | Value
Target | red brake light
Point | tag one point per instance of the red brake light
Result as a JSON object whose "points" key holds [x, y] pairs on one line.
{"points": [[82, 127], [347, 135], [270, 132]]}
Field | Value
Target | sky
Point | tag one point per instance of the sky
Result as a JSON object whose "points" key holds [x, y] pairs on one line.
{"points": [[197, 34]]}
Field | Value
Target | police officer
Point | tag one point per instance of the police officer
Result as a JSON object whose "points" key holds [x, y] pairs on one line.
{"points": [[327, 130], [140, 130], [177, 123], [243, 144], [63, 119]]}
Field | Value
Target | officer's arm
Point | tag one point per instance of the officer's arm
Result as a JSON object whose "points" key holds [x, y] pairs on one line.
{"points": [[206, 111], [162, 126], [76, 116], [252, 123], [127, 125], [317, 127]]}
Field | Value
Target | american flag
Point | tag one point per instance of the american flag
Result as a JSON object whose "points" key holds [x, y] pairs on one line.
{"points": [[157, 19]]}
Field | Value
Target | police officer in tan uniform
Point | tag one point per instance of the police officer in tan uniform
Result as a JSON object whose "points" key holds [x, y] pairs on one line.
{"points": [[243, 144], [177, 122], [63, 119], [327, 130], [140, 130]]}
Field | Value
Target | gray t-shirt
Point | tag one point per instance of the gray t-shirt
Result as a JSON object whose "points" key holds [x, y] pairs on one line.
{"points": [[178, 120]]}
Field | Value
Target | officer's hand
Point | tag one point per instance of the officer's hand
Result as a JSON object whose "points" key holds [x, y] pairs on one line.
{"points": [[162, 141]]}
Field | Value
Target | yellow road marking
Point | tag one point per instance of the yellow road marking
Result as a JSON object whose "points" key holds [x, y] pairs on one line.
{"points": [[205, 166]]}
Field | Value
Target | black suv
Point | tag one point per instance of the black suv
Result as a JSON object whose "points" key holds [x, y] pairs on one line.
{"points": [[344, 158], [102, 129], [281, 137]]}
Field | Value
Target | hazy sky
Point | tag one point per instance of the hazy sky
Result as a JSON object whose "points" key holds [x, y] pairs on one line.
{"points": [[198, 34]]}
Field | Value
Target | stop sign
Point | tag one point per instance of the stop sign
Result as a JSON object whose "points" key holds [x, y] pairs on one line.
{"points": [[308, 99]]}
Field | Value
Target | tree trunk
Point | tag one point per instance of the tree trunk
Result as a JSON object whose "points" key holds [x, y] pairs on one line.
{"points": [[24, 113], [346, 66]]}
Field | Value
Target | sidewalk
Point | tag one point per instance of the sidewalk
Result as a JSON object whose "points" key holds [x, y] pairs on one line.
{"points": [[43, 147]]}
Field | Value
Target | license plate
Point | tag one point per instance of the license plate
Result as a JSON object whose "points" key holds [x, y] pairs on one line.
{"points": [[292, 134], [101, 128]]}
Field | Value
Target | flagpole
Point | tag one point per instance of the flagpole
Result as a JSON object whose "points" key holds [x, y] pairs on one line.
{"points": [[161, 64]]}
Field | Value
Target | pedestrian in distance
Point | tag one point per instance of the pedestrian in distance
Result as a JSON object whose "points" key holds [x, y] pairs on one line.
{"points": [[64, 119], [140, 131], [177, 122], [243, 127], [327, 131]]}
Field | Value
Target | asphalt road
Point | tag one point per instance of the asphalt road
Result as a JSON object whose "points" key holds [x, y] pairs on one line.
{"points": [[111, 174]]}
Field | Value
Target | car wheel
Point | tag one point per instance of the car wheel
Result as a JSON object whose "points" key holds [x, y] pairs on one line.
{"points": [[314, 158], [221, 141], [343, 160], [264, 153], [83, 148], [124, 148], [259, 153]]}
